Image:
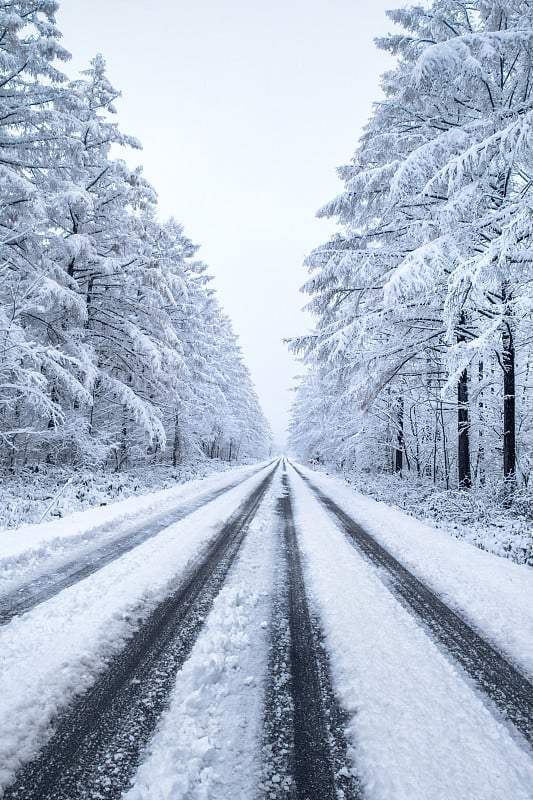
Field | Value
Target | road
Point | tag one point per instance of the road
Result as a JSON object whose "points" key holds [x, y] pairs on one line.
{"points": [[255, 642]]}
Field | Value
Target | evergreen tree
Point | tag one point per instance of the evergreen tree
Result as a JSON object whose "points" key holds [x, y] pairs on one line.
{"points": [[112, 344], [429, 279], [36, 367]]}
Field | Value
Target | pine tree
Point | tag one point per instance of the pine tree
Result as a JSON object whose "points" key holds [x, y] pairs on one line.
{"points": [[36, 368], [430, 275], [112, 346]]}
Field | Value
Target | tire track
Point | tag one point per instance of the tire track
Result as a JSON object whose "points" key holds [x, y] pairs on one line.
{"points": [[47, 585], [509, 690], [304, 746], [98, 744]]}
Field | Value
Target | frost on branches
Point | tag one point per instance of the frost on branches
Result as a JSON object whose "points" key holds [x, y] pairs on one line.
{"points": [[420, 359], [113, 349]]}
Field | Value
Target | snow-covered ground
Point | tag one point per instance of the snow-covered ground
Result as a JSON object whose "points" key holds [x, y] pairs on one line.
{"points": [[56, 650], [26, 550], [478, 516], [49, 493], [208, 744], [416, 728]]}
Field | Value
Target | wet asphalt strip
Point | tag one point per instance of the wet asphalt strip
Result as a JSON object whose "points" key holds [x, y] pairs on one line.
{"points": [[304, 749], [508, 689], [98, 742], [47, 585]]}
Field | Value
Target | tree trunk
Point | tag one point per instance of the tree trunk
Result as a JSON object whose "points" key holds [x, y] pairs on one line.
{"points": [[463, 433], [463, 424], [414, 430], [480, 464], [176, 449], [509, 432], [51, 419], [445, 458], [122, 453], [398, 453]]}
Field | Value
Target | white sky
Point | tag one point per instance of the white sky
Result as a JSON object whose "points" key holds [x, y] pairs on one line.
{"points": [[244, 110]]}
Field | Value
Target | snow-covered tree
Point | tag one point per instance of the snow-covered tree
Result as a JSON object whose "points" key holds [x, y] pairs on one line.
{"points": [[471, 82], [427, 286], [35, 368], [113, 349]]}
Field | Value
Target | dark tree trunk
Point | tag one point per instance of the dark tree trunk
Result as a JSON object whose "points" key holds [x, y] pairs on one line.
{"points": [[509, 433], [54, 398], [463, 423], [398, 453], [463, 433], [89, 300], [480, 466], [91, 415], [176, 449], [445, 457], [122, 453]]}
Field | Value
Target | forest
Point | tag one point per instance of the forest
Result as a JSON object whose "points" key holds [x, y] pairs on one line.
{"points": [[114, 351], [419, 363], [184, 613]]}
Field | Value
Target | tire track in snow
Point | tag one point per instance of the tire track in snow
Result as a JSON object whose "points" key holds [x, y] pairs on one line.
{"points": [[304, 745], [37, 590], [501, 681], [98, 743]]}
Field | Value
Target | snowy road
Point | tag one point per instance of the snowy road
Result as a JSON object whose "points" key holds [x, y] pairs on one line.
{"points": [[250, 647], [492, 672], [46, 572]]}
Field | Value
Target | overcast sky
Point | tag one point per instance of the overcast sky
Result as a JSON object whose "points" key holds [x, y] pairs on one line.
{"points": [[244, 110]]}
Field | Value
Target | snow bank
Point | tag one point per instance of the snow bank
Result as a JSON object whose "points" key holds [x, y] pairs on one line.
{"points": [[50, 492], [107, 517], [478, 515]]}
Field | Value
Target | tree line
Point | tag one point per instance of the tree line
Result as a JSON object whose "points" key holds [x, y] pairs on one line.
{"points": [[113, 348], [420, 359]]}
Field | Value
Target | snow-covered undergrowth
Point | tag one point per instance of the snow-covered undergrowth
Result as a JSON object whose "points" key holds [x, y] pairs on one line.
{"points": [[31, 550], [49, 492], [477, 516]]}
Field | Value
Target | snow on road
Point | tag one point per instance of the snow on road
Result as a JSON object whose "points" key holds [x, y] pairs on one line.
{"points": [[418, 730], [57, 649], [208, 742], [494, 594], [25, 550]]}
